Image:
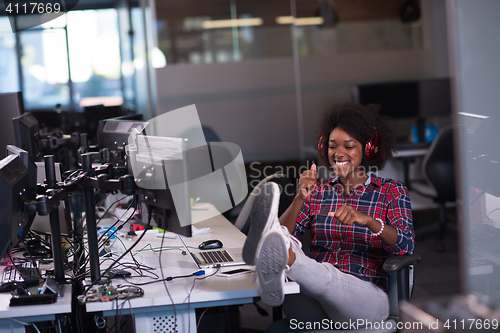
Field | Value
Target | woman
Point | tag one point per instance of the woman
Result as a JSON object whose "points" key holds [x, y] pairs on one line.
{"points": [[357, 220]]}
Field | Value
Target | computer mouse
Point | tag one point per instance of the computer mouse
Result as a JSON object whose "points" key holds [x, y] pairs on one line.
{"points": [[210, 244], [10, 286]]}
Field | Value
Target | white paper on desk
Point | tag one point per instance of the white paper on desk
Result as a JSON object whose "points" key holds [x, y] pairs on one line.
{"points": [[195, 231]]}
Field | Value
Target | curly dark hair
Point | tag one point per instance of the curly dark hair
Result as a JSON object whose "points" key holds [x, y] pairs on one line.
{"points": [[359, 122]]}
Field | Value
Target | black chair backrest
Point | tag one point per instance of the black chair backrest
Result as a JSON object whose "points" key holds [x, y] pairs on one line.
{"points": [[440, 167]]}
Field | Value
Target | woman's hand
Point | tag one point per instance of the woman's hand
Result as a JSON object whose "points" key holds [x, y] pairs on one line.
{"points": [[348, 216], [307, 182]]}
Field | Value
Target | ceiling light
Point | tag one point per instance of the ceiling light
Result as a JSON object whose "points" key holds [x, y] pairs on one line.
{"points": [[244, 22], [299, 20]]}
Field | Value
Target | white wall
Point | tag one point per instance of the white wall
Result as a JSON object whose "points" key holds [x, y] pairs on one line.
{"points": [[252, 103]]}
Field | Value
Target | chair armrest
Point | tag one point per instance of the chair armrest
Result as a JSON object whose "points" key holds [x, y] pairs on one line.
{"points": [[395, 263], [400, 264]]}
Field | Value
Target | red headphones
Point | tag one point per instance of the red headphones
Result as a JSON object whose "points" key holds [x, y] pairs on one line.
{"points": [[372, 147], [320, 146]]}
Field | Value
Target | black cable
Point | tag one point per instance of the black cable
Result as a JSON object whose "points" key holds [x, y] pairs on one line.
{"points": [[111, 205], [117, 229], [163, 278], [100, 246], [32, 260], [192, 287], [123, 255]]}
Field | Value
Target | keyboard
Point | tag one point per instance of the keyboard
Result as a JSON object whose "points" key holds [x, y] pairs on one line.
{"points": [[213, 257], [21, 272]]}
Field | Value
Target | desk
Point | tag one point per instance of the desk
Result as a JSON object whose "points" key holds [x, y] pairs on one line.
{"points": [[407, 157], [31, 313], [155, 311]]}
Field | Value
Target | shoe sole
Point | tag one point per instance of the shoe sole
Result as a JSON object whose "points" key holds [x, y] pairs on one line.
{"points": [[264, 209], [271, 262]]}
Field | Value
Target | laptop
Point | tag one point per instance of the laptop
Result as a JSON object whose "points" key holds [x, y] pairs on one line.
{"points": [[212, 258]]}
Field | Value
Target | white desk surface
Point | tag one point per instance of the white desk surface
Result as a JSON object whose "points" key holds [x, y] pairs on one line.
{"points": [[212, 291], [32, 313], [411, 152]]}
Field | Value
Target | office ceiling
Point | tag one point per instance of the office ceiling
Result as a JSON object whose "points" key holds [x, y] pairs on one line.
{"points": [[346, 10]]}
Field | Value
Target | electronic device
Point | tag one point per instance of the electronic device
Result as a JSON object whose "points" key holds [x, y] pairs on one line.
{"points": [[434, 97], [210, 244], [372, 146], [14, 184], [410, 99], [396, 99], [118, 273], [113, 133], [95, 113], [20, 272], [32, 177], [10, 286], [34, 299], [11, 106], [214, 258], [27, 134], [169, 209], [235, 272]]}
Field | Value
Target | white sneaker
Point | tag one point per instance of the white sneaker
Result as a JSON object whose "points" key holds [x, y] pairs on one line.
{"points": [[271, 264], [263, 217]]}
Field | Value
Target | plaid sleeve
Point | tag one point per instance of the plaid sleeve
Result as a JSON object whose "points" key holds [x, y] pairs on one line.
{"points": [[303, 220], [400, 217]]}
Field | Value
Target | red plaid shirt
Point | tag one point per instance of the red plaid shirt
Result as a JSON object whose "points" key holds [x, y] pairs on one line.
{"points": [[353, 249]]}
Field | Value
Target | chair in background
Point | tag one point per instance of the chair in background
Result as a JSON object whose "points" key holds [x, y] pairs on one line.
{"points": [[439, 181], [401, 276]]}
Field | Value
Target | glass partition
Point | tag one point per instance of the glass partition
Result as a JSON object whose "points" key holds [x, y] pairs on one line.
{"points": [[476, 80]]}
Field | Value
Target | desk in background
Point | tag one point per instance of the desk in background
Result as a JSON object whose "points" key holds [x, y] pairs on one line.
{"points": [[154, 310], [408, 156], [32, 313]]}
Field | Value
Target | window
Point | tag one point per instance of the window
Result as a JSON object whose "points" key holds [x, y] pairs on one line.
{"points": [[9, 75], [63, 61]]}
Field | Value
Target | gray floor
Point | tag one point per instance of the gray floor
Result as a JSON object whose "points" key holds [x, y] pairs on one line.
{"points": [[435, 277]]}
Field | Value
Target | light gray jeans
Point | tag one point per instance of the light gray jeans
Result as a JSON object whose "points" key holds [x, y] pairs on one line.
{"points": [[328, 293]]}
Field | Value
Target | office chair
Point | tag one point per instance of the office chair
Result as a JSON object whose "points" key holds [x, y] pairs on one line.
{"points": [[401, 277], [439, 181]]}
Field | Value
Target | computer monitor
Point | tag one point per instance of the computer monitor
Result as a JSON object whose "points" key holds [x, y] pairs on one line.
{"points": [[93, 114], [396, 99], [434, 98], [28, 162], [14, 183], [49, 120], [26, 131], [169, 208], [11, 106], [114, 133], [132, 116]]}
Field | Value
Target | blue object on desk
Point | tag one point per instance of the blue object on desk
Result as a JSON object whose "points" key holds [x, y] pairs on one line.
{"points": [[108, 231], [431, 131]]}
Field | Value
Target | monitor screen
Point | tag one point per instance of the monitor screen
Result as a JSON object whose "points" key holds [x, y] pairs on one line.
{"points": [[26, 131], [396, 99], [153, 160], [114, 133], [95, 113], [14, 182], [11, 106], [434, 98]]}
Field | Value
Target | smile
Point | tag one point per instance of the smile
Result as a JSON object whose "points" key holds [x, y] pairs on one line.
{"points": [[341, 163]]}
